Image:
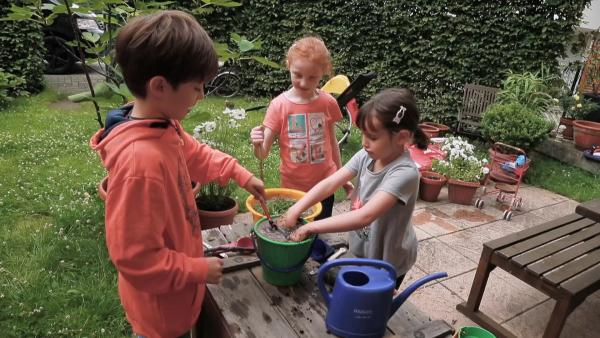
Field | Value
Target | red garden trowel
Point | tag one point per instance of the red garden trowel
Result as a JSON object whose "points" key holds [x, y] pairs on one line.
{"points": [[242, 245]]}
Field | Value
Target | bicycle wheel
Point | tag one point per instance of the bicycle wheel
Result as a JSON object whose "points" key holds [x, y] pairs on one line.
{"points": [[225, 84]]}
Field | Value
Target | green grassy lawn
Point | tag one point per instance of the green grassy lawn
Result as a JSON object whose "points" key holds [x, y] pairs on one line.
{"points": [[56, 278]]}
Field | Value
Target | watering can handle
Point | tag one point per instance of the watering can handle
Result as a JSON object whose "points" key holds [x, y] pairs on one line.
{"points": [[350, 261]]}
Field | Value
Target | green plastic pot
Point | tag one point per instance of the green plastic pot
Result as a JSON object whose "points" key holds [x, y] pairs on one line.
{"points": [[281, 262], [474, 332]]}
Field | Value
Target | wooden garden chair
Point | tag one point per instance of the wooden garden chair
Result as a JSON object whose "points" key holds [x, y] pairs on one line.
{"points": [[476, 99]]}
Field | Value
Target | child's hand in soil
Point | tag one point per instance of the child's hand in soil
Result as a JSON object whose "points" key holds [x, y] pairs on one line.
{"points": [[256, 187], [289, 220], [301, 233], [215, 270]]}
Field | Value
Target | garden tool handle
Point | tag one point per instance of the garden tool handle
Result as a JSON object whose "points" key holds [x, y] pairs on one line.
{"points": [[350, 261]]}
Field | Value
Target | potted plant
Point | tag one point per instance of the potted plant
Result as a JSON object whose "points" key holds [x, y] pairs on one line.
{"points": [[430, 185], [215, 203], [574, 107], [463, 169]]}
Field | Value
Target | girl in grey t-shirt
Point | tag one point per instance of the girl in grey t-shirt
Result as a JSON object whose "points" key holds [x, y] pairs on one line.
{"points": [[387, 184]]}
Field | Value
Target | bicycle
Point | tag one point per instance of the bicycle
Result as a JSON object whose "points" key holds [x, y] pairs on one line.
{"points": [[226, 83]]}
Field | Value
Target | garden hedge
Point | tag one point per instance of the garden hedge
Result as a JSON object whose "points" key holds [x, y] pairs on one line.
{"points": [[22, 52], [433, 47]]}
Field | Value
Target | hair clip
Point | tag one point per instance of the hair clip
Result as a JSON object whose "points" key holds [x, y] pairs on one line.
{"points": [[399, 115]]}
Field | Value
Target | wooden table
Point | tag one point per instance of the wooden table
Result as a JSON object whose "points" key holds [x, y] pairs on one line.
{"points": [[244, 305], [560, 258]]}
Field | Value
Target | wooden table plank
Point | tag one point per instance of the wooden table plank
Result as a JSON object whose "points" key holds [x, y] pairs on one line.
{"points": [[301, 304], [522, 235], [544, 238], [247, 310], [590, 209], [558, 245], [561, 258], [572, 268]]}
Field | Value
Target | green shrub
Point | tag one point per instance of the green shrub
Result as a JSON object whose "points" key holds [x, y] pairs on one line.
{"points": [[22, 52], [8, 82], [515, 124]]}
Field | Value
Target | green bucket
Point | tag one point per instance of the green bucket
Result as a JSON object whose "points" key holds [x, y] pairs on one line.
{"points": [[281, 262], [474, 332]]}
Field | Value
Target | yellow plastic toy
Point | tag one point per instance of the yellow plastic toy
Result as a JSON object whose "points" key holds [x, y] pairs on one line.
{"points": [[336, 85]]}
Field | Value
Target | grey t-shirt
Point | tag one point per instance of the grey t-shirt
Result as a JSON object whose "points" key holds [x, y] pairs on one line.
{"points": [[391, 236]]}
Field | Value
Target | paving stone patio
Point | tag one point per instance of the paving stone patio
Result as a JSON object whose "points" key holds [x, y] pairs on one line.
{"points": [[450, 239]]}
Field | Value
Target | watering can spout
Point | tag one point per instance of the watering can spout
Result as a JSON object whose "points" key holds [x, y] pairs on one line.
{"points": [[401, 298]]}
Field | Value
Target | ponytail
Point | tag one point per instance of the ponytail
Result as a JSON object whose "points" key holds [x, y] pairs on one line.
{"points": [[421, 139]]}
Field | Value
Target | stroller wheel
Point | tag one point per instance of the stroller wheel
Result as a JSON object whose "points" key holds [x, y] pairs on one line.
{"points": [[483, 190], [479, 203], [507, 215], [519, 203]]}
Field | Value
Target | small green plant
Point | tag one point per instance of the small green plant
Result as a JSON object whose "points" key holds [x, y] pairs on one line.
{"points": [[515, 124], [529, 89], [461, 162], [218, 134]]}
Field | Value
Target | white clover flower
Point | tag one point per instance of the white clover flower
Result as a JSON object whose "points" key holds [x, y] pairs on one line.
{"points": [[209, 126], [576, 97], [555, 100], [579, 105], [238, 114], [232, 123]]}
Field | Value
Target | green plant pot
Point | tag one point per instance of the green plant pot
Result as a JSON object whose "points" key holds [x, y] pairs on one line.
{"points": [[281, 262]]}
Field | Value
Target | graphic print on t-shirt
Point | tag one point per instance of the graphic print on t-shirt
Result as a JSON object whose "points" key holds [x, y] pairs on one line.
{"points": [[298, 151], [297, 126], [306, 132]]}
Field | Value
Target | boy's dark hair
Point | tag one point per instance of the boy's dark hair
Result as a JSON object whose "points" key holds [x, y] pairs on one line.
{"points": [[385, 107], [167, 43]]}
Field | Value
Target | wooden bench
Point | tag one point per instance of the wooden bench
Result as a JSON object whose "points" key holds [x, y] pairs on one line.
{"points": [[560, 258], [476, 99]]}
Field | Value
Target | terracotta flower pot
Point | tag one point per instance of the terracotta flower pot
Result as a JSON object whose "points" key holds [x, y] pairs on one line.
{"points": [[431, 184], [568, 131], [443, 129], [461, 192], [430, 131], [213, 219], [587, 134]]}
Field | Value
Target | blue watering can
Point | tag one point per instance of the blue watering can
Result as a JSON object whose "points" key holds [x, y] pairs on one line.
{"points": [[361, 302]]}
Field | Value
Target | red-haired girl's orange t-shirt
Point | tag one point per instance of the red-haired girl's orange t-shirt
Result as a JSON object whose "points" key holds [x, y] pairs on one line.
{"points": [[305, 138]]}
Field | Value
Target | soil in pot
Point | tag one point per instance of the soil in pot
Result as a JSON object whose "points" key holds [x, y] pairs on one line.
{"points": [[278, 234], [213, 218]]}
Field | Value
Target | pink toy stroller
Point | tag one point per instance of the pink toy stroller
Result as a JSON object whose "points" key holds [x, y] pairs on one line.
{"points": [[506, 169]]}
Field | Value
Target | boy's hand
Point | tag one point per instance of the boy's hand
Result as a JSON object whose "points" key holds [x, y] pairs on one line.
{"points": [[256, 187], [300, 234], [257, 135], [215, 270]]}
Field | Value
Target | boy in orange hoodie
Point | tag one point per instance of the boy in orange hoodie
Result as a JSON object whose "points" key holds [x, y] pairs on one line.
{"points": [[152, 226]]}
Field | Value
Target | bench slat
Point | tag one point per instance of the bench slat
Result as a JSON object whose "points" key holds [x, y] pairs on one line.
{"points": [[561, 258], [573, 268], [522, 235], [585, 280], [589, 209], [545, 237], [554, 247]]}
